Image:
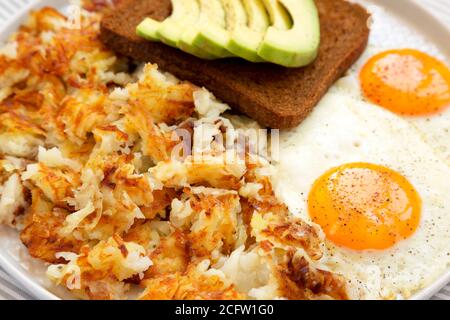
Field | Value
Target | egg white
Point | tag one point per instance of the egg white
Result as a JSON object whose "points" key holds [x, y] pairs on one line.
{"points": [[343, 130]]}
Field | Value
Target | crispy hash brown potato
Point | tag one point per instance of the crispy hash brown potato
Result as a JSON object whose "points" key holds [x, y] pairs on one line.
{"points": [[89, 179]]}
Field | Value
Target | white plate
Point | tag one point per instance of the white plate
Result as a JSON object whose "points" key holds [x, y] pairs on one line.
{"points": [[29, 272]]}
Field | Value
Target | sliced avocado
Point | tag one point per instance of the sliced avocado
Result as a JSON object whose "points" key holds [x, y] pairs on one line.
{"points": [[212, 35], [236, 16], [258, 19], [279, 17], [185, 14], [189, 34], [148, 29], [299, 45], [151, 29], [171, 29], [177, 32], [247, 21], [185, 44]]}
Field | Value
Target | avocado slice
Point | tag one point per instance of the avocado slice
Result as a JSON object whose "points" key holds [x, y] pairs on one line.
{"points": [[299, 45], [258, 19], [212, 35], [148, 29], [154, 30], [247, 21], [236, 16], [185, 30], [279, 17], [190, 34], [171, 29]]}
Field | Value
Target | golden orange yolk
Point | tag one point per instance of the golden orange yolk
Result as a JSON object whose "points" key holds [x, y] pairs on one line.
{"points": [[364, 206], [407, 82]]}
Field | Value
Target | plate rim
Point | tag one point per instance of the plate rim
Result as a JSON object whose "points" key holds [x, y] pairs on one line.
{"points": [[29, 285], [398, 8]]}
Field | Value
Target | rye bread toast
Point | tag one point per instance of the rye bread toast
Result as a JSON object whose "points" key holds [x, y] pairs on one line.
{"points": [[275, 96]]}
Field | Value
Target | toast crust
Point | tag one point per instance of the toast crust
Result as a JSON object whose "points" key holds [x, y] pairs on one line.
{"points": [[275, 96]]}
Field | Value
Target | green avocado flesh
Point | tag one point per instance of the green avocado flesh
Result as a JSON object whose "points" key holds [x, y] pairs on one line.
{"points": [[171, 29], [279, 17], [189, 41], [299, 45], [212, 35], [258, 19], [247, 23], [188, 30], [148, 29], [284, 32]]}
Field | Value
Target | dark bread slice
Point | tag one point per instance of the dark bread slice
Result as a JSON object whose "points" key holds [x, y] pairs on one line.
{"points": [[275, 96]]}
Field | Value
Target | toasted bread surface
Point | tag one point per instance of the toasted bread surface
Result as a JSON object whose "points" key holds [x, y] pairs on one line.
{"points": [[275, 96]]}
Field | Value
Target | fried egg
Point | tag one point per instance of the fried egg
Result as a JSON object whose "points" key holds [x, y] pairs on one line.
{"points": [[403, 73], [370, 166], [367, 179]]}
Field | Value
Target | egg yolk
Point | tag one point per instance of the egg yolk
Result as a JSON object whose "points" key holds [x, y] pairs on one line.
{"points": [[363, 206], [407, 82]]}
